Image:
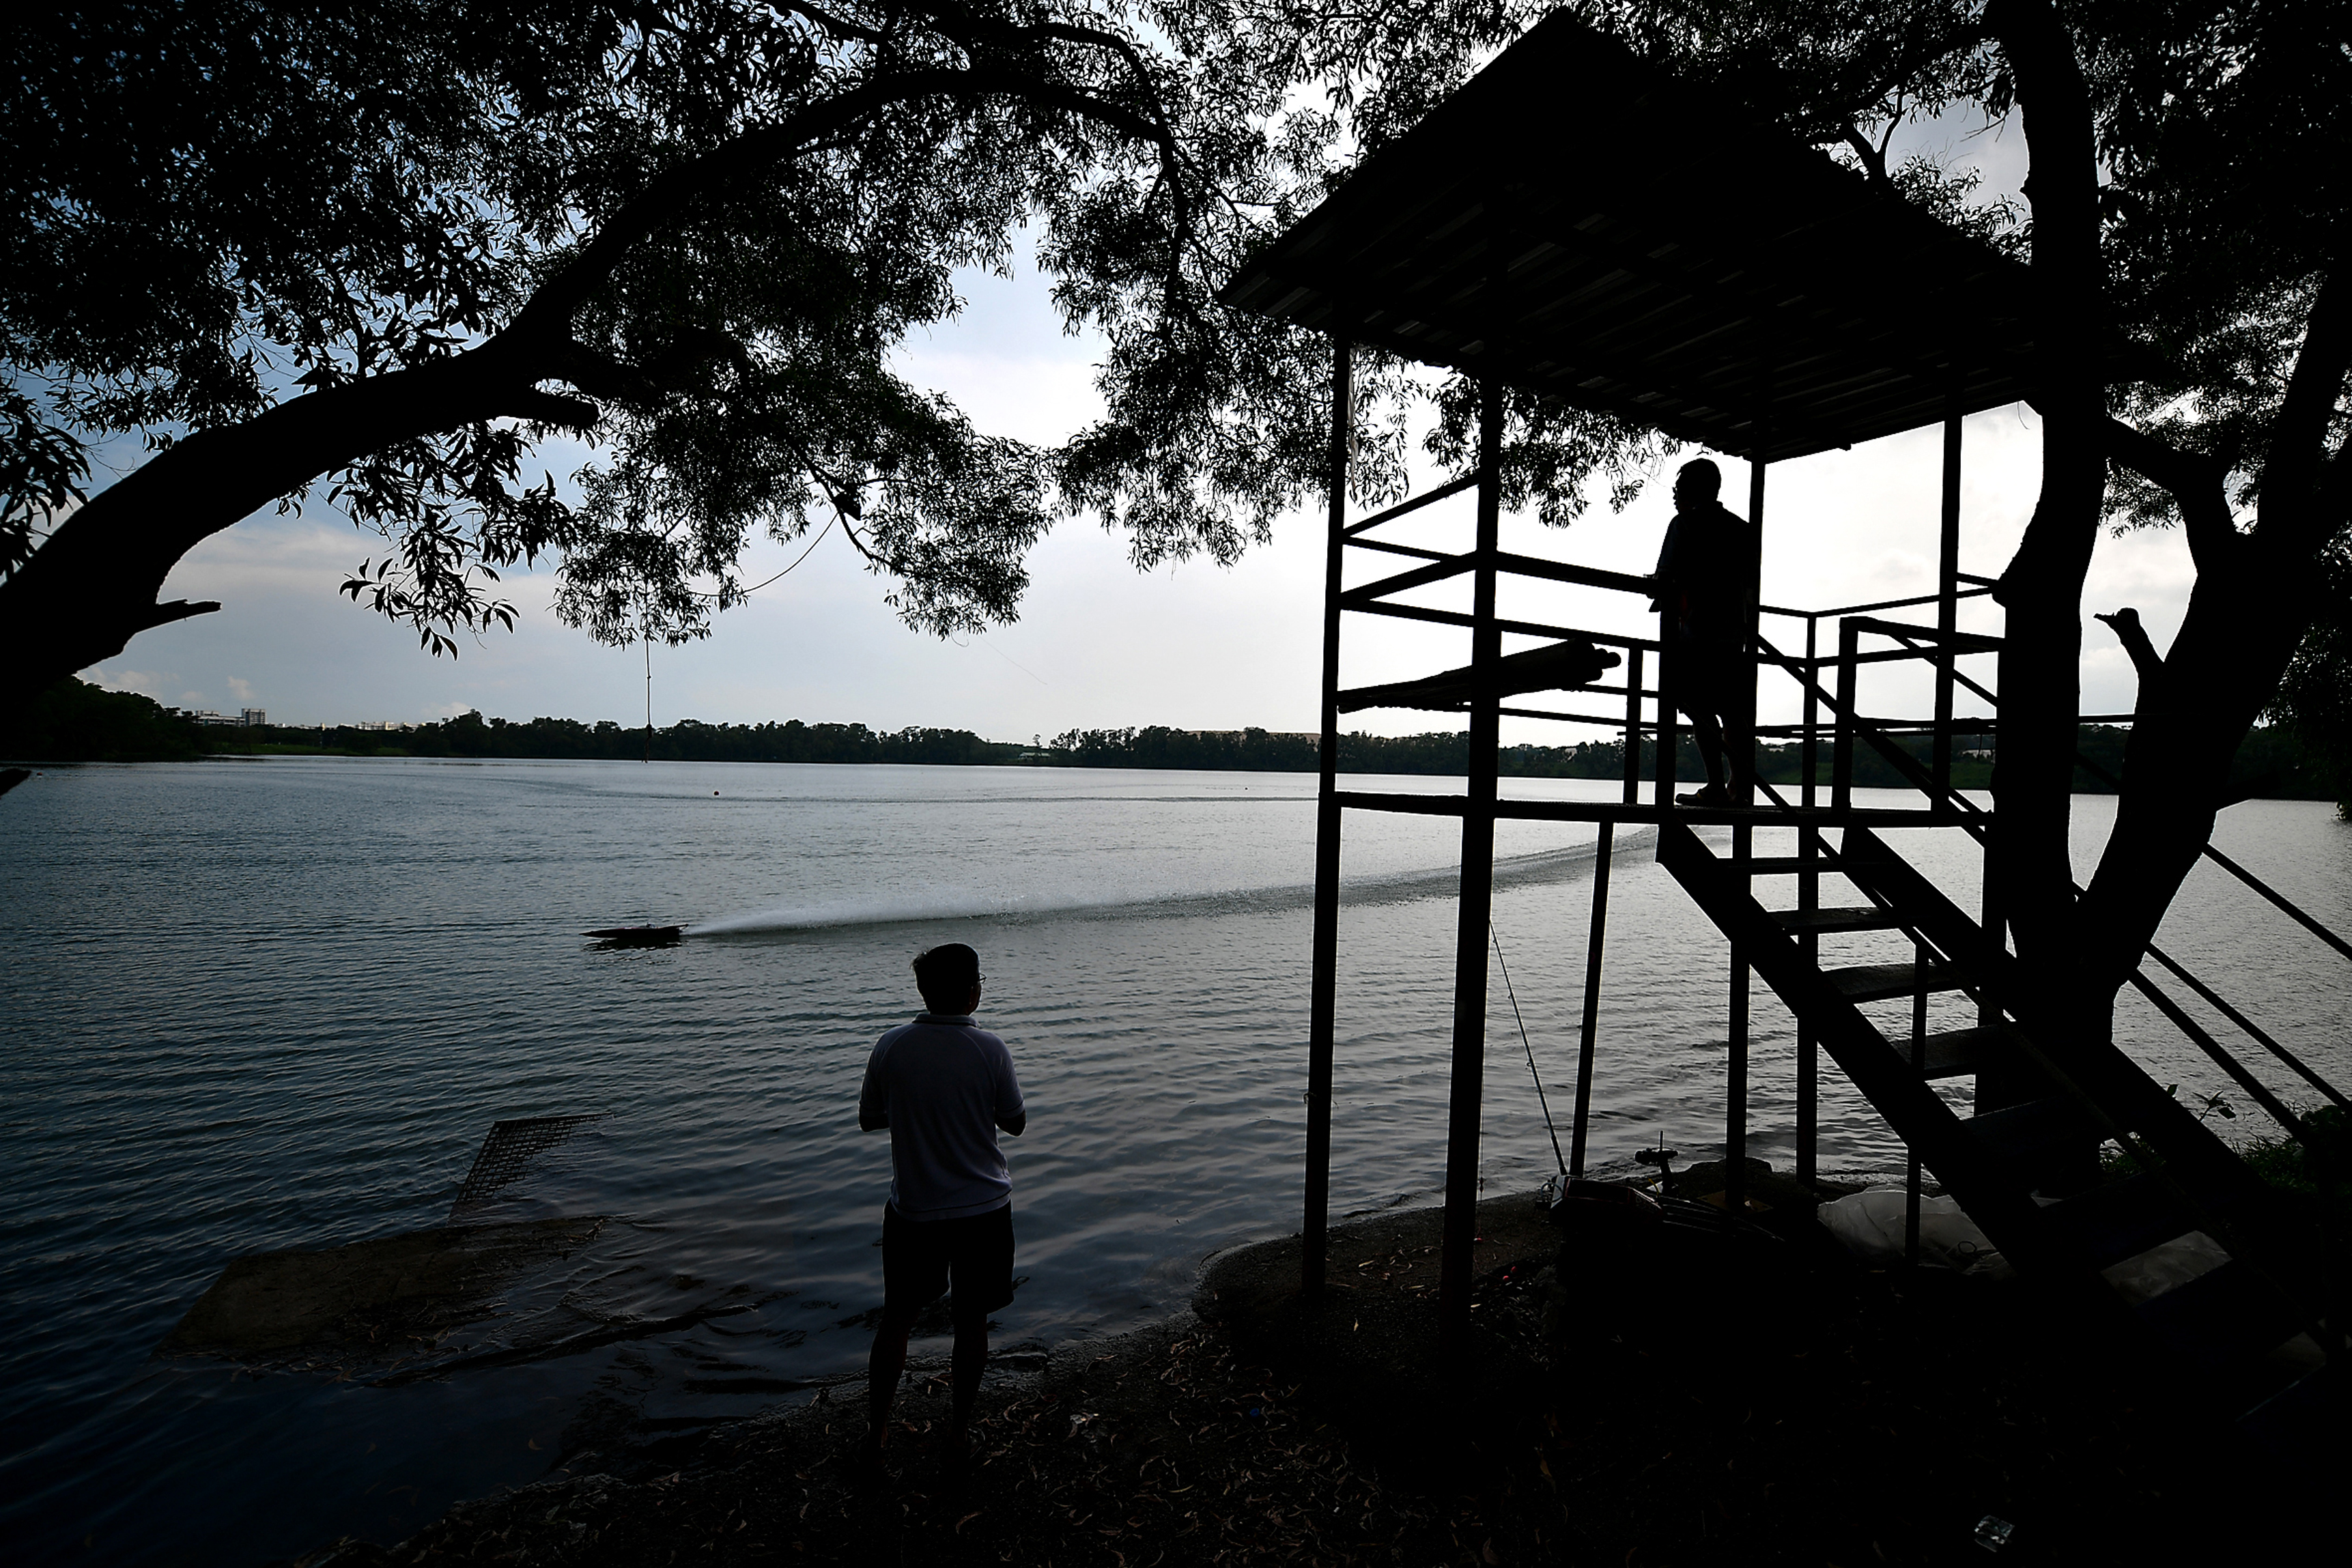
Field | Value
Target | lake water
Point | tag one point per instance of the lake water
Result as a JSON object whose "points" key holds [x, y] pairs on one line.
{"points": [[264, 1005]]}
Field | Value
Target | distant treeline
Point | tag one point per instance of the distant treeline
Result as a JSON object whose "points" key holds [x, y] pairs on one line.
{"points": [[2269, 764], [688, 740], [76, 722]]}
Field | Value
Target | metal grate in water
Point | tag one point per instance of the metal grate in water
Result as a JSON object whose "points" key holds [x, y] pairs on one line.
{"points": [[509, 1151]]}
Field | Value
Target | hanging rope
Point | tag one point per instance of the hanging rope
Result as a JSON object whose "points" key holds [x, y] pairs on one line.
{"points": [[797, 560]]}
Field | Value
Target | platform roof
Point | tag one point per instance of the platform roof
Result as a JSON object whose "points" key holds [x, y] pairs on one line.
{"points": [[1659, 257]]}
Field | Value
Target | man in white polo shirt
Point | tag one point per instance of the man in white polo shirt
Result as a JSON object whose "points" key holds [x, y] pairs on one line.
{"points": [[943, 1087]]}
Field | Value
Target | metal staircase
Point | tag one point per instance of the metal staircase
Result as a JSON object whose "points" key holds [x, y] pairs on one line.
{"points": [[2249, 1330]]}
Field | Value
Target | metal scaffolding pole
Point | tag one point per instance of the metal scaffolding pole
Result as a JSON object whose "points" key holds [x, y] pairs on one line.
{"points": [[1477, 887], [1809, 899], [1597, 936], [1743, 851], [1596, 939], [1322, 1005], [1947, 593]]}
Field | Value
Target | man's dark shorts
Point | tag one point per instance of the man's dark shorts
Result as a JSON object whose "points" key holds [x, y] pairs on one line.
{"points": [[1703, 672], [919, 1256]]}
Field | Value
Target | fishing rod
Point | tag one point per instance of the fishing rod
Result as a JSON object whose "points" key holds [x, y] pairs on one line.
{"points": [[1494, 937]]}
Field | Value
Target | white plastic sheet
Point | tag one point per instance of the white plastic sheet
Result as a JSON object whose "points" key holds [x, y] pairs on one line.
{"points": [[1870, 1225]]}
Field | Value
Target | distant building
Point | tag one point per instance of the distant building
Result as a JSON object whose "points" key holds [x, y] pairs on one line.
{"points": [[206, 716], [253, 718]]}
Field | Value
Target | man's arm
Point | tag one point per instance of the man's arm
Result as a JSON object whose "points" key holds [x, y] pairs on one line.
{"points": [[874, 1097], [1012, 1110], [1661, 577]]}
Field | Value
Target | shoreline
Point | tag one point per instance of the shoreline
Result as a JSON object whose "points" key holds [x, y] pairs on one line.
{"points": [[1756, 1403]]}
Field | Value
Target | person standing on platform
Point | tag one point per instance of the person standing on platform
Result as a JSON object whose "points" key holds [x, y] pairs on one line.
{"points": [[943, 1087], [1705, 569]]}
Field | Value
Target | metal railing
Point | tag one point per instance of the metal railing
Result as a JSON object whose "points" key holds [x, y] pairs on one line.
{"points": [[1846, 730]]}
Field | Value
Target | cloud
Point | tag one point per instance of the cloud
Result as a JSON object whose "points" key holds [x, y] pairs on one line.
{"points": [[241, 689], [146, 682]]}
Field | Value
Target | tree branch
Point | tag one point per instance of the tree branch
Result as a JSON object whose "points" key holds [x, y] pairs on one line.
{"points": [[546, 317], [2124, 624], [1873, 160], [883, 561], [92, 587], [838, 26], [2314, 391], [2197, 484], [178, 610], [673, 368], [572, 414], [599, 374]]}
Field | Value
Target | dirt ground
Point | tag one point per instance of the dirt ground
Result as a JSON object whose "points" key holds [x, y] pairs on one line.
{"points": [[1625, 1396]]}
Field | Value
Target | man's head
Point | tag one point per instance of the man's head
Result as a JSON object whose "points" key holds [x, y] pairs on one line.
{"points": [[947, 974], [1698, 482]]}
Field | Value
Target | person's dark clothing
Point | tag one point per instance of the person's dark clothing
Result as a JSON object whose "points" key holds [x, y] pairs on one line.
{"points": [[1704, 568], [921, 1256]]}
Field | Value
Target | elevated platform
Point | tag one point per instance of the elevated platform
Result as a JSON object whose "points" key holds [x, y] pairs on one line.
{"points": [[1614, 812], [1769, 307]]}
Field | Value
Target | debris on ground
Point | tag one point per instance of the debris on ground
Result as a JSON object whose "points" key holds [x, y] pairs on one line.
{"points": [[1645, 1401]]}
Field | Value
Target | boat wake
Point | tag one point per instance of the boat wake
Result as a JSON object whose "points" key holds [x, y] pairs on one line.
{"points": [[1399, 887]]}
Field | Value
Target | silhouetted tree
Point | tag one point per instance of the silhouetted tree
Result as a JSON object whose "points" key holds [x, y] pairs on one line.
{"points": [[392, 246]]}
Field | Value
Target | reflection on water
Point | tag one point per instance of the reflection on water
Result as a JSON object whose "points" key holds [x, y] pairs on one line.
{"points": [[261, 1006]]}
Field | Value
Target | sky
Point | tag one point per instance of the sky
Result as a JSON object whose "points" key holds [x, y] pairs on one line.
{"points": [[1098, 644]]}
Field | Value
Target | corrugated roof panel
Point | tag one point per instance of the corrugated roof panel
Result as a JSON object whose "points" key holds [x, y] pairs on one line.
{"points": [[1651, 275]]}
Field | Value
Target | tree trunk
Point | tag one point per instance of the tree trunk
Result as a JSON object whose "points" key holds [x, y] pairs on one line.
{"points": [[2231, 648], [2247, 614], [2042, 591], [92, 586]]}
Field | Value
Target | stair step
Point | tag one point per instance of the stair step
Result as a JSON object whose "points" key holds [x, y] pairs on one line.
{"points": [[2042, 1140], [1955, 1053], [2222, 1317], [1879, 982], [2121, 1220], [1856, 917]]}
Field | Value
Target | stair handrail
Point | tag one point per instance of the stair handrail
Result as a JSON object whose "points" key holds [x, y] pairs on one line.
{"points": [[1909, 766], [2212, 998], [2292, 909]]}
